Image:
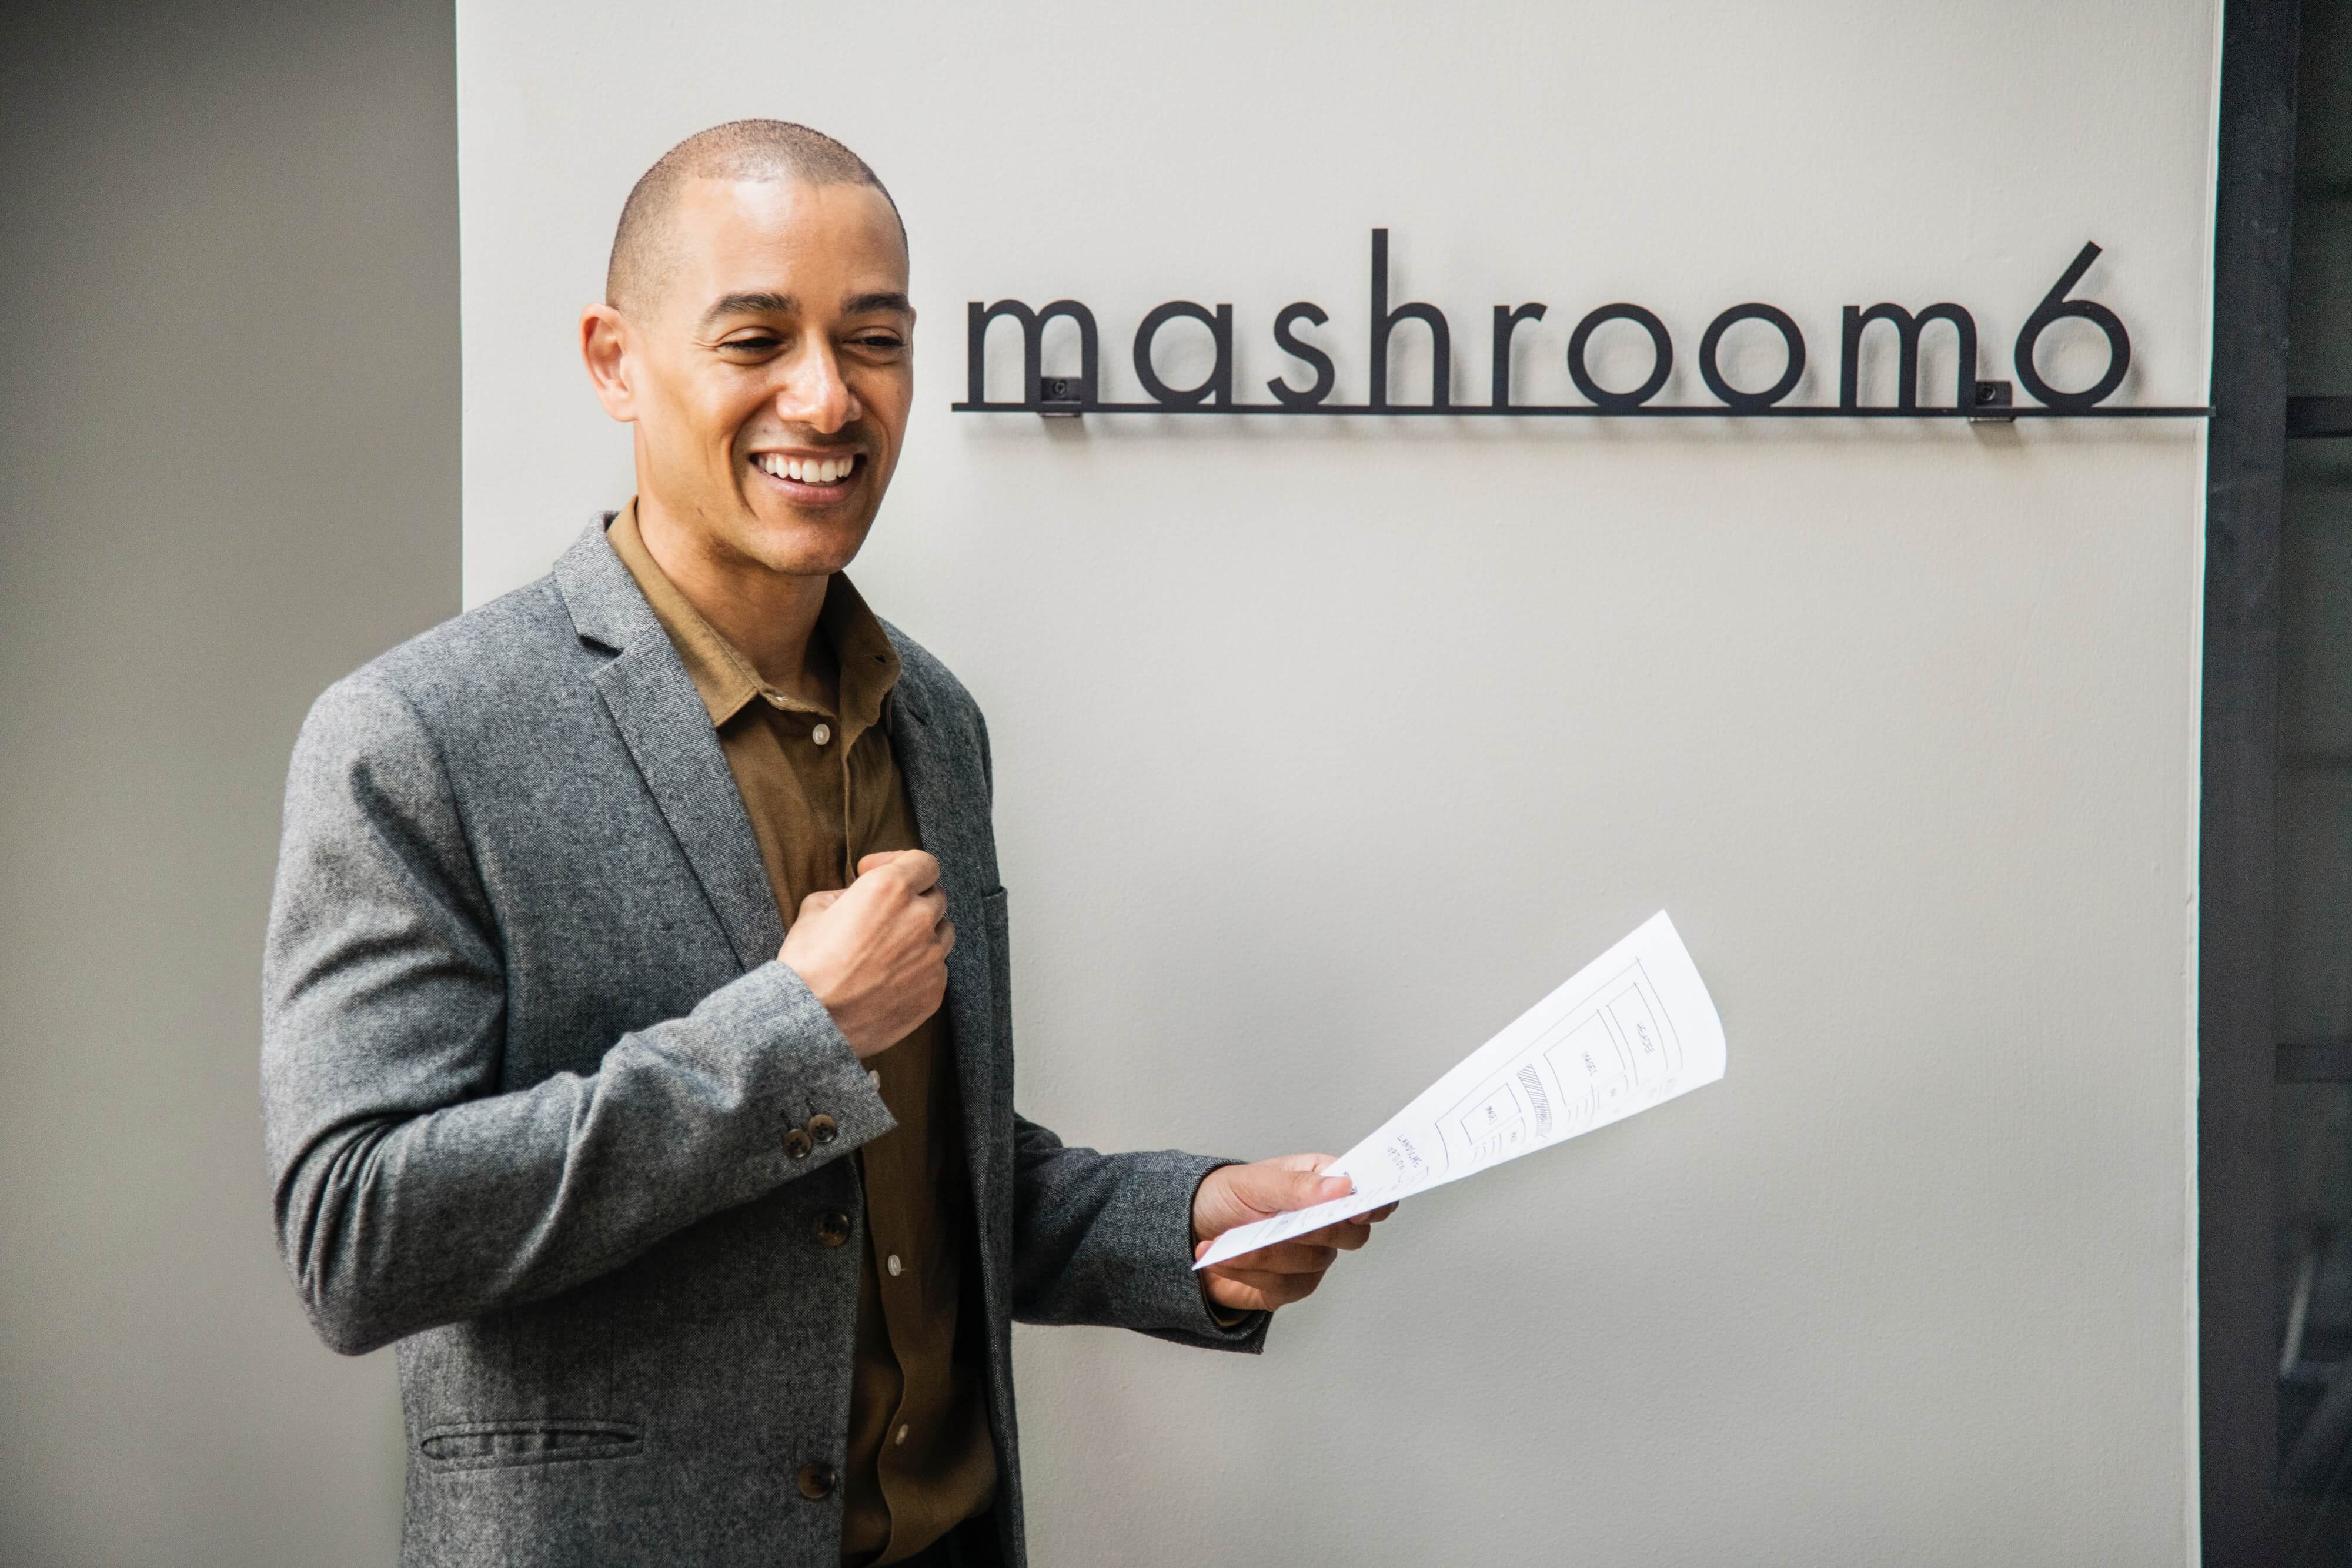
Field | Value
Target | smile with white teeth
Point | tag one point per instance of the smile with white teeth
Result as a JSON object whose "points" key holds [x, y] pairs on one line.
{"points": [[806, 470]]}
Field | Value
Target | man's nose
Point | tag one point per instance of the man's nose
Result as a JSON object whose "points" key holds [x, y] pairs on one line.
{"points": [[815, 394]]}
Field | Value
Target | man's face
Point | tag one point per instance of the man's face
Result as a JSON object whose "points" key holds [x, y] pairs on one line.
{"points": [[770, 373]]}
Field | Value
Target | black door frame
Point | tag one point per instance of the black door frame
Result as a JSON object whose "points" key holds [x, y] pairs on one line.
{"points": [[2237, 1045]]}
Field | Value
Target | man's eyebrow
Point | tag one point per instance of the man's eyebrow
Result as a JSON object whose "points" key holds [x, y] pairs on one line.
{"points": [[760, 303], [765, 302]]}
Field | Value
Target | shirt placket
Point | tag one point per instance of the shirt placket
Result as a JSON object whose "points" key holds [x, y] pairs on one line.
{"points": [[893, 1254]]}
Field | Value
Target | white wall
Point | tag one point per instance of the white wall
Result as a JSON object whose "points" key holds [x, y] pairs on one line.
{"points": [[1324, 747]]}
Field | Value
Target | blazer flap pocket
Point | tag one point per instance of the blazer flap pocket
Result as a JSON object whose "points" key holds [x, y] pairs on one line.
{"points": [[482, 1445]]}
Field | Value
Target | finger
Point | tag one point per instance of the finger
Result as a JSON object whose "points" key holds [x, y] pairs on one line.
{"points": [[1347, 1235], [1266, 1291], [875, 861], [935, 904], [919, 871], [1271, 1289], [947, 934], [1298, 1257], [818, 902], [1239, 1298]]}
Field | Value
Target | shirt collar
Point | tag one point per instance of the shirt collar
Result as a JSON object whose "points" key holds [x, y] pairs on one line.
{"points": [[862, 651], [726, 681]]}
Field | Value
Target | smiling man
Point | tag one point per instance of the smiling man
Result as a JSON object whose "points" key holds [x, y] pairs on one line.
{"points": [[638, 1053]]}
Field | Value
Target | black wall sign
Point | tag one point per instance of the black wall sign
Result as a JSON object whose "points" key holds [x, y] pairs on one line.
{"points": [[1305, 388]]}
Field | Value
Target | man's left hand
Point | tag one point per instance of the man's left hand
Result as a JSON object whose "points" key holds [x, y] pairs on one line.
{"points": [[1287, 1271]]}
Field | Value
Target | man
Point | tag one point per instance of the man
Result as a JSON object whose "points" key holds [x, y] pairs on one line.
{"points": [[637, 1051]]}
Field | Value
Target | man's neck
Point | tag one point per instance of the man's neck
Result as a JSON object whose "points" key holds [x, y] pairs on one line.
{"points": [[770, 617]]}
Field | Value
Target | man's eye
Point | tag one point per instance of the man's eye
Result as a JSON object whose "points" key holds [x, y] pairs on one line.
{"points": [[758, 344], [878, 340]]}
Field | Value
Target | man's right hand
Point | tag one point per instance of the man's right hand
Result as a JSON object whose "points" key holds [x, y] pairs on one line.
{"points": [[875, 953]]}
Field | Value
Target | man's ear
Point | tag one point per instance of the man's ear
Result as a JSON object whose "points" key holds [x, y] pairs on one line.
{"points": [[605, 349]]}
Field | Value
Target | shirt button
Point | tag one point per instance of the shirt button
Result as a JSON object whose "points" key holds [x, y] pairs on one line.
{"points": [[893, 1265], [823, 1128], [798, 1144], [831, 1229], [874, 1076], [817, 1482], [821, 733], [900, 1436]]}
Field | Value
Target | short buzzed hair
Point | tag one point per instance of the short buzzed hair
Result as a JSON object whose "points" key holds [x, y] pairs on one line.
{"points": [[643, 244]]}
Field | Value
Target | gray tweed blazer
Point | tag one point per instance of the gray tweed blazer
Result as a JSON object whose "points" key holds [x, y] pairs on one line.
{"points": [[528, 1065]]}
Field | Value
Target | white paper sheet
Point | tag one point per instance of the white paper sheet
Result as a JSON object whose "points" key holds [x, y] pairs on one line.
{"points": [[1631, 1030]]}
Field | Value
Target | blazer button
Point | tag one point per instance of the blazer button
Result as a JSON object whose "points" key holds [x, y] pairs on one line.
{"points": [[817, 1482], [831, 1229], [823, 1128], [798, 1144]]}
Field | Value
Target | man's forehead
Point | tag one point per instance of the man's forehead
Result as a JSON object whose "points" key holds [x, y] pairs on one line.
{"points": [[733, 234]]}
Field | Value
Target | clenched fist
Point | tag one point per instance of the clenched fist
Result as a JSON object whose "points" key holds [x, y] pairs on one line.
{"points": [[875, 953]]}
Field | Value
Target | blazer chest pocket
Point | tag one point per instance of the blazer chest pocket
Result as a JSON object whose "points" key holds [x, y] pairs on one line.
{"points": [[494, 1445]]}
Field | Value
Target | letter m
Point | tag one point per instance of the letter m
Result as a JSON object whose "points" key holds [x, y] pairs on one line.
{"points": [[1908, 329], [1032, 346]]}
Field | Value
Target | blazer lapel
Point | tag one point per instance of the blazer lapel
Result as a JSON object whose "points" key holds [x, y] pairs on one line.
{"points": [[943, 789], [668, 731]]}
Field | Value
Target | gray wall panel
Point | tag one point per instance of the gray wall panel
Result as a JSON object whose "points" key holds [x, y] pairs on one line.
{"points": [[229, 430]]}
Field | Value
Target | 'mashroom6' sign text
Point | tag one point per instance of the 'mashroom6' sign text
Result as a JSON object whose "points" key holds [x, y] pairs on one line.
{"points": [[1305, 388]]}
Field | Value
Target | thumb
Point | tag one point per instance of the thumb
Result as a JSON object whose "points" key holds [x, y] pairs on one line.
{"points": [[818, 902], [1237, 1195], [879, 858], [1314, 1187], [1293, 1181]]}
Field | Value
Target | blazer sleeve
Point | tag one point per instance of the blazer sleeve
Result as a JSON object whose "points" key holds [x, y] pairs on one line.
{"points": [[408, 1191], [1107, 1240]]}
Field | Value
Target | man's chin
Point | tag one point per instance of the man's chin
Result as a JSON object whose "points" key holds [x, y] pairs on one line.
{"points": [[802, 546]]}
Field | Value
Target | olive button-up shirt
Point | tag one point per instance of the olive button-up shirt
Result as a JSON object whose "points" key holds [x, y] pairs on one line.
{"points": [[823, 790]]}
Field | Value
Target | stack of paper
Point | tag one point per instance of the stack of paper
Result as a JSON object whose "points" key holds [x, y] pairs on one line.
{"points": [[1633, 1028]]}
